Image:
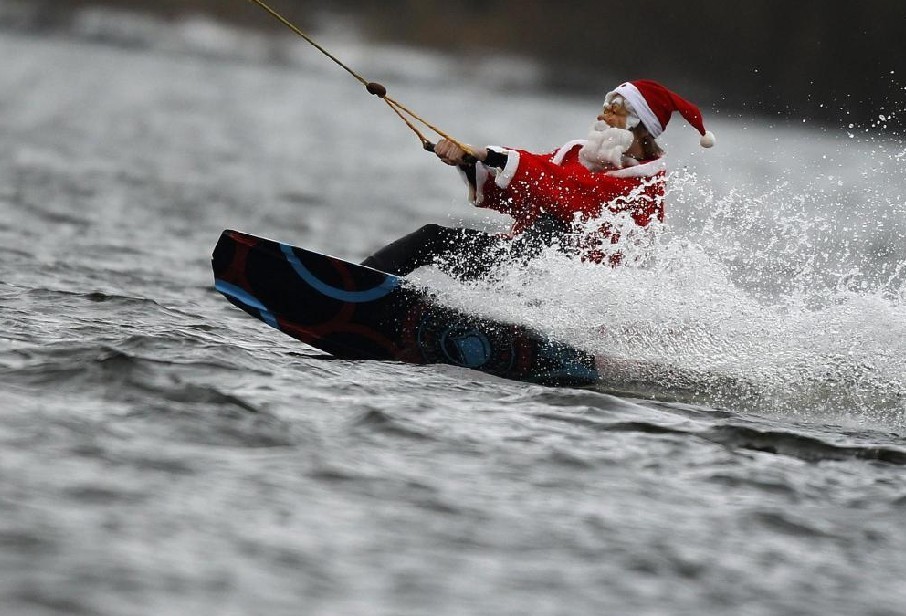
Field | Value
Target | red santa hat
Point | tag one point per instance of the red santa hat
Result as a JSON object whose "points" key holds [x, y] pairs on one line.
{"points": [[654, 104]]}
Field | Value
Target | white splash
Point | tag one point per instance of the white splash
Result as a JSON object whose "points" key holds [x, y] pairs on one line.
{"points": [[788, 301]]}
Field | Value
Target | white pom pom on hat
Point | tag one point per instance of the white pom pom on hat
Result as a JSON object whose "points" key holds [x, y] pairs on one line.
{"points": [[654, 104]]}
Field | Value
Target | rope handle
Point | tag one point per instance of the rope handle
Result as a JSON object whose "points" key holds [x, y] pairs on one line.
{"points": [[467, 158]]}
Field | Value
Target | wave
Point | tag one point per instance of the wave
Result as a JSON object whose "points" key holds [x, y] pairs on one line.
{"points": [[602, 413]]}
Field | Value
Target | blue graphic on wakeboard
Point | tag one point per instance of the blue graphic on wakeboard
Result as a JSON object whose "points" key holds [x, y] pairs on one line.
{"points": [[466, 347], [352, 297]]}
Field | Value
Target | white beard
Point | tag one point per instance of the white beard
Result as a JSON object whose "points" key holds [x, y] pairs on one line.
{"points": [[605, 148]]}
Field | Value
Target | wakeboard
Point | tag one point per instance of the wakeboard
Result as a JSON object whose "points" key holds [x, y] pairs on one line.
{"points": [[356, 312]]}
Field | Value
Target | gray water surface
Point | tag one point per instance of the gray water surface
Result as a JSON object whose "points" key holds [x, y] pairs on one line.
{"points": [[162, 453]]}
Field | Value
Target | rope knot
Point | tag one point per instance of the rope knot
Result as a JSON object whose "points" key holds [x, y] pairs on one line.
{"points": [[375, 88]]}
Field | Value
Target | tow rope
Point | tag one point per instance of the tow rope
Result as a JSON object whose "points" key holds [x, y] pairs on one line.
{"points": [[372, 87]]}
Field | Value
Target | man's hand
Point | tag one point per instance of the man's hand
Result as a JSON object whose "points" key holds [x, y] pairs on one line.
{"points": [[453, 155]]}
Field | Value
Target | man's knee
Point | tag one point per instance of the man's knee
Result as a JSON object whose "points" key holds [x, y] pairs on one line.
{"points": [[438, 239], [430, 232]]}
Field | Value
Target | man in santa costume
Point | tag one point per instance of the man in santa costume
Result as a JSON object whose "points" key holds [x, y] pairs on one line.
{"points": [[618, 168]]}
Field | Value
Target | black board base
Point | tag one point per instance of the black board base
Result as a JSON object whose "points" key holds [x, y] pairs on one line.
{"points": [[355, 312]]}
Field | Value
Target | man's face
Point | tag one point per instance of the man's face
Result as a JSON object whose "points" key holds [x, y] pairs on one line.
{"points": [[614, 114]]}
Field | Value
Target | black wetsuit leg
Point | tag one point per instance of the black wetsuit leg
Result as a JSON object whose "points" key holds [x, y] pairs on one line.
{"points": [[462, 253], [466, 253], [545, 231]]}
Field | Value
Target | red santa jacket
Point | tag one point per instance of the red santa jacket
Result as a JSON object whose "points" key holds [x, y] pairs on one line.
{"points": [[559, 184]]}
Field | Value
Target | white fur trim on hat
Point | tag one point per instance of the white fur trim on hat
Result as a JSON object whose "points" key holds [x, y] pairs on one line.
{"points": [[634, 97]]}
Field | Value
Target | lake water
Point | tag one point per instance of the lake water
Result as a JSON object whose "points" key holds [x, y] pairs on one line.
{"points": [[162, 453]]}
